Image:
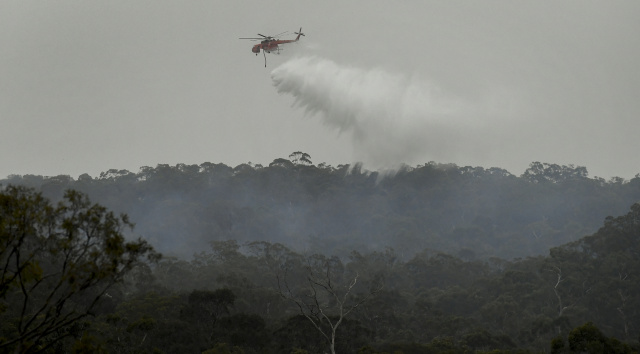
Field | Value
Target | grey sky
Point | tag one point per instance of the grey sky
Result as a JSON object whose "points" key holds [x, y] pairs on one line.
{"points": [[89, 86]]}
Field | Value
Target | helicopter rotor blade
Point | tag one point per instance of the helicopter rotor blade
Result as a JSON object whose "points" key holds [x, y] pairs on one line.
{"points": [[280, 34]]}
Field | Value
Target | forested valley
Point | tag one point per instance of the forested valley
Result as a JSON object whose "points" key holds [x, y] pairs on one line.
{"points": [[301, 258]]}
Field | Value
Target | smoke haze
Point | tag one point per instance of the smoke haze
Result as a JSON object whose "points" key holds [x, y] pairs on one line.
{"points": [[390, 118]]}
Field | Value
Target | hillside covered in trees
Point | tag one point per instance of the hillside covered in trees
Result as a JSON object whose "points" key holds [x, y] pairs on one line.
{"points": [[470, 212], [70, 282]]}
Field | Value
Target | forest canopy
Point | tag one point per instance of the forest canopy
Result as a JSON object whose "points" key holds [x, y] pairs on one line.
{"points": [[301, 258], [471, 212], [71, 282]]}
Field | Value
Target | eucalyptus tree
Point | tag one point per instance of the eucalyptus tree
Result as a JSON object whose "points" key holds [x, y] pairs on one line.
{"points": [[329, 293], [56, 263]]}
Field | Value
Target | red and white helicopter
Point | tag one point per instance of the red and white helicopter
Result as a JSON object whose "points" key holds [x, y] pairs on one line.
{"points": [[270, 44]]}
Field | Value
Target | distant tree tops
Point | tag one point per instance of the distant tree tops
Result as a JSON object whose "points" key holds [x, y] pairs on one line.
{"points": [[466, 210]]}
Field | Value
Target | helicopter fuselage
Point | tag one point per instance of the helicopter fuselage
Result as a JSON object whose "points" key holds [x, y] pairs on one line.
{"points": [[268, 46]]}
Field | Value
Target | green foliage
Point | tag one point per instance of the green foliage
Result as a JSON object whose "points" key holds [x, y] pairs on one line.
{"points": [[472, 212], [589, 339], [223, 348], [299, 351], [87, 345], [57, 263], [209, 306], [242, 330], [298, 333], [483, 340], [429, 234], [557, 345]]}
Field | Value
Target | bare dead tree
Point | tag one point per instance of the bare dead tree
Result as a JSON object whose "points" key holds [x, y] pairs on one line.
{"points": [[623, 301], [561, 308], [624, 296], [328, 296]]}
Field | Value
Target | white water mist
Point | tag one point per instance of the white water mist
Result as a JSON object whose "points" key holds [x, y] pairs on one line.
{"points": [[391, 118]]}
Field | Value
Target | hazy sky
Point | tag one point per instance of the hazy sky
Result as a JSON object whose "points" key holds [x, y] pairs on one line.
{"points": [[90, 86]]}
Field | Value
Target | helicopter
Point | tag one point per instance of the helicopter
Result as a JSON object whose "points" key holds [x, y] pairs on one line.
{"points": [[270, 44]]}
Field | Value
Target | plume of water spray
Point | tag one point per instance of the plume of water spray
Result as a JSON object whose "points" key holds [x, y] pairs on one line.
{"points": [[391, 118]]}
